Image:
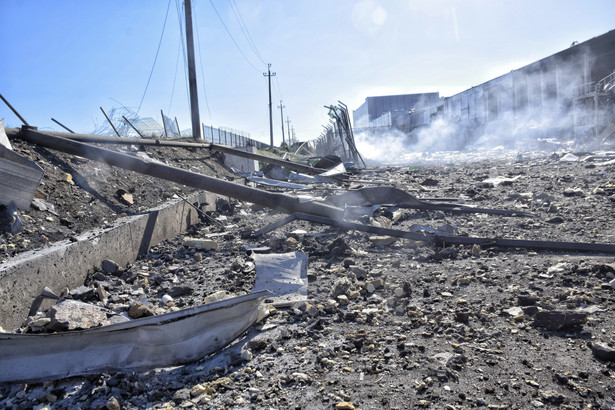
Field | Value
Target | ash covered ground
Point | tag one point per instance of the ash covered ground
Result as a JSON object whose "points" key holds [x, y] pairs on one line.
{"points": [[386, 325]]}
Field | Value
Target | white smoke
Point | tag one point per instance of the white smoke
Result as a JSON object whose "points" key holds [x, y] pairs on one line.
{"points": [[527, 110]]}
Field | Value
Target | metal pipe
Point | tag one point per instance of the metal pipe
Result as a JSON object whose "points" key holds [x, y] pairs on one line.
{"points": [[8, 104], [273, 200], [133, 127], [62, 125], [112, 126]]}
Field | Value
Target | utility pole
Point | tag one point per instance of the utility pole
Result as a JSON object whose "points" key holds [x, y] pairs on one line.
{"points": [[269, 74], [288, 128], [281, 107], [197, 132]]}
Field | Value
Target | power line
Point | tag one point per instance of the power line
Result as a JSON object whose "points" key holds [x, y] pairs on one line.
{"points": [[278, 89], [198, 40], [155, 58], [244, 29], [179, 47], [178, 5], [231, 36]]}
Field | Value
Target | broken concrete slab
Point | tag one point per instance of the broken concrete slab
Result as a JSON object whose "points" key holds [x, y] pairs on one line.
{"points": [[242, 164]]}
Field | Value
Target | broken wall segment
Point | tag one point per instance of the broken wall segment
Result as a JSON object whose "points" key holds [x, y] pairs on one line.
{"points": [[242, 164], [65, 265]]}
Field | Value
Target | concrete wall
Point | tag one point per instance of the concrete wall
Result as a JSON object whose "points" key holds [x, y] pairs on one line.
{"points": [[242, 164], [66, 264]]}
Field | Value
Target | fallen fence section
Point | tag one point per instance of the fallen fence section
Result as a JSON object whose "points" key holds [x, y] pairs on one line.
{"points": [[444, 240], [66, 264], [157, 341]]}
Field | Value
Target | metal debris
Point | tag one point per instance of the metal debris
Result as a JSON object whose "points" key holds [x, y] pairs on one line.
{"points": [[156, 341], [284, 274]]}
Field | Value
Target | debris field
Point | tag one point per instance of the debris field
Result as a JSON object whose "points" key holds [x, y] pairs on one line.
{"points": [[387, 323]]}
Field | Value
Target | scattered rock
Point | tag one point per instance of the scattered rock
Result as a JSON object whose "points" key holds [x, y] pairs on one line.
{"points": [[558, 320], [139, 310], [603, 351], [72, 315]]}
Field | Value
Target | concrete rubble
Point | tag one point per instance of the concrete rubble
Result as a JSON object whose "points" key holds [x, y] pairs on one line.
{"points": [[387, 322]]}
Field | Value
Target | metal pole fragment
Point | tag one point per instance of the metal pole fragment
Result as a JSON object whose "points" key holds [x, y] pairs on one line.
{"points": [[133, 127], [8, 104], [62, 125], [108, 119]]}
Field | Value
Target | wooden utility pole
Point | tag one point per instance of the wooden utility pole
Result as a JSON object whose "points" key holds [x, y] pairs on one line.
{"points": [[197, 133], [281, 107], [269, 74]]}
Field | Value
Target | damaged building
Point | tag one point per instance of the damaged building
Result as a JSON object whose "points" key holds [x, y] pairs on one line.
{"points": [[568, 95]]}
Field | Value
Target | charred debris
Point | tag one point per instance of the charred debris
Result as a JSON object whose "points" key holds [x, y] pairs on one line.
{"points": [[329, 185]]}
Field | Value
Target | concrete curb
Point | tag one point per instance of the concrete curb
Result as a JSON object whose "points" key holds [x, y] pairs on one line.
{"points": [[66, 264]]}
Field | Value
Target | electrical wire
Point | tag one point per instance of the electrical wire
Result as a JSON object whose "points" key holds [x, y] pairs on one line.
{"points": [[155, 58], [244, 29], [198, 41], [232, 38], [179, 47], [277, 88], [178, 4]]}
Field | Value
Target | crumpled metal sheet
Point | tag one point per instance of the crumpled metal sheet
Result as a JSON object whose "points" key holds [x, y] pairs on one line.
{"points": [[277, 183], [284, 274], [156, 341]]}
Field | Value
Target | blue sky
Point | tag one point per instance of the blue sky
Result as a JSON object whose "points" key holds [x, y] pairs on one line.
{"points": [[65, 58]]}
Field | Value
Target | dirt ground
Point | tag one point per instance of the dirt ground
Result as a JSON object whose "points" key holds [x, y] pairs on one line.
{"points": [[398, 325]]}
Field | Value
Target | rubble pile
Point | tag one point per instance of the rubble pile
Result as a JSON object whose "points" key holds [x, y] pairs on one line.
{"points": [[388, 322]]}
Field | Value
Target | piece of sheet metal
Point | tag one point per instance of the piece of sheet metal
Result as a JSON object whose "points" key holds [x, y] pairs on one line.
{"points": [[156, 341], [284, 274], [394, 196], [19, 176], [276, 183]]}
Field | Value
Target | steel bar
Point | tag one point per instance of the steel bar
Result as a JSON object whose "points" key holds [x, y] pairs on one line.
{"points": [[110, 122], [451, 240], [530, 244], [282, 202], [8, 104], [62, 125], [133, 127]]}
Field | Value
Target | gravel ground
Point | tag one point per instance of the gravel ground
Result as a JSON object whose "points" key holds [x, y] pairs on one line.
{"points": [[396, 325]]}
